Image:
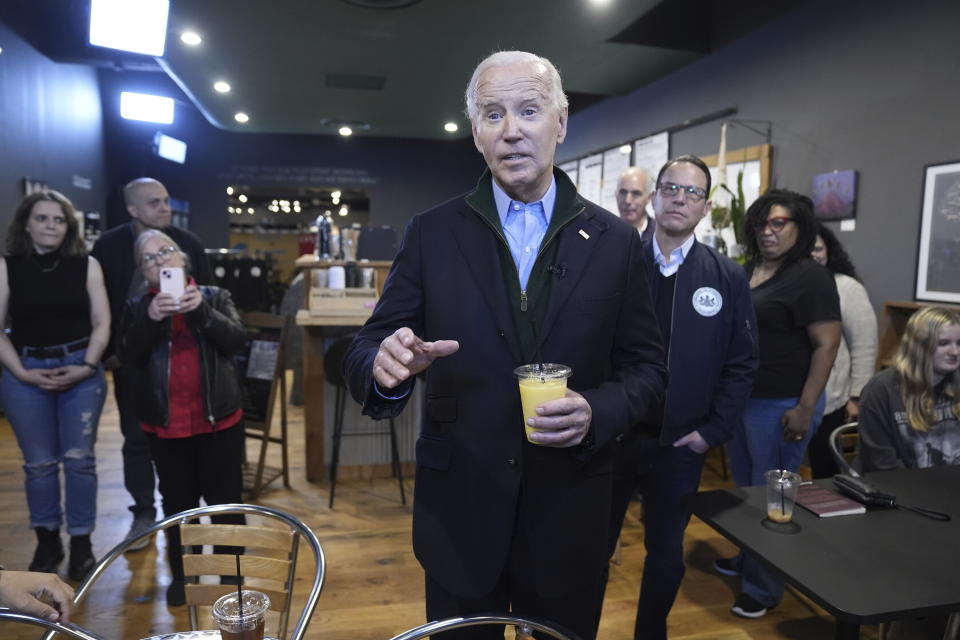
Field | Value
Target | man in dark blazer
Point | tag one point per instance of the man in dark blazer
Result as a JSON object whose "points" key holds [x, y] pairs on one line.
{"points": [[520, 268]]}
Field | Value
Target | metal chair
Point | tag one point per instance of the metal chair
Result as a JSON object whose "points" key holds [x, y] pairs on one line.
{"points": [[333, 369], [62, 630], [843, 447], [274, 569], [525, 627]]}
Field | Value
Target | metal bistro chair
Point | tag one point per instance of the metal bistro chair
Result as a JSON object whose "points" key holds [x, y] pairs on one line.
{"points": [[281, 571], [333, 369], [524, 626], [62, 630], [843, 447]]}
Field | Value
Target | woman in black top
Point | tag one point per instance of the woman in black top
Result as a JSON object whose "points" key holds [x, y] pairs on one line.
{"points": [[798, 319], [53, 386]]}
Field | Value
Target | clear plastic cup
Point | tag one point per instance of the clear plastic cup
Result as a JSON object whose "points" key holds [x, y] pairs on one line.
{"points": [[781, 494], [538, 384], [247, 625]]}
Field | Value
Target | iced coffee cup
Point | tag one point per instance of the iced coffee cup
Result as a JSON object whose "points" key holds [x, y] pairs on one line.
{"points": [[241, 623], [781, 494], [539, 384]]}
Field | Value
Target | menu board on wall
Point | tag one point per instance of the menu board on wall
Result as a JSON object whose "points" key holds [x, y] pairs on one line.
{"points": [[570, 168], [615, 162], [651, 153], [590, 173]]}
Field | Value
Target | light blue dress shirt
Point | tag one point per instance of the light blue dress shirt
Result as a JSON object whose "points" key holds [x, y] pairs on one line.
{"points": [[670, 264], [524, 225]]}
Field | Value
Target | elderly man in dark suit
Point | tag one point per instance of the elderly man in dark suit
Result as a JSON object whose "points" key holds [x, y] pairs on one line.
{"points": [[519, 268]]}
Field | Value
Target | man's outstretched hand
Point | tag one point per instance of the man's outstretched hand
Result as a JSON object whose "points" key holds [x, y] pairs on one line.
{"points": [[403, 355]]}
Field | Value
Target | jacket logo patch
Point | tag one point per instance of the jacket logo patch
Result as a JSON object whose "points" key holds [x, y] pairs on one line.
{"points": [[707, 301]]}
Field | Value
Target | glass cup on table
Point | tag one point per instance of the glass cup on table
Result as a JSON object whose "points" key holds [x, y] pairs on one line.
{"points": [[241, 623], [782, 489], [540, 383]]}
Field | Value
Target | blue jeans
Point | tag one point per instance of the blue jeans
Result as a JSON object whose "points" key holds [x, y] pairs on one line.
{"points": [[757, 447], [53, 428]]}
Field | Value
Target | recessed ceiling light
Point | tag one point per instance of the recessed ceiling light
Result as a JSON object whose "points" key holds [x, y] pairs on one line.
{"points": [[242, 198], [221, 87], [229, 191], [345, 131], [450, 127], [241, 117], [250, 210], [191, 38], [625, 149], [343, 210]]}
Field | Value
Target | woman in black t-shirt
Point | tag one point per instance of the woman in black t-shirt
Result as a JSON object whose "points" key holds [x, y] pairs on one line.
{"points": [[798, 319]]}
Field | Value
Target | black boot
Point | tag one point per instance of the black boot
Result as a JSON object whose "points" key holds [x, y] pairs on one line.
{"points": [[49, 553], [81, 557]]}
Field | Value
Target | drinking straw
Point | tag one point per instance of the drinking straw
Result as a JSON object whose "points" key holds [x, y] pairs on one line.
{"points": [[536, 341], [783, 509], [239, 583]]}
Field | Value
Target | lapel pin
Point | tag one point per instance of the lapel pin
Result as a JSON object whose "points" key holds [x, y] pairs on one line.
{"points": [[586, 236]]}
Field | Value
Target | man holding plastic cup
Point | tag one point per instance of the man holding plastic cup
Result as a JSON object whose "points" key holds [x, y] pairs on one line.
{"points": [[521, 269]]}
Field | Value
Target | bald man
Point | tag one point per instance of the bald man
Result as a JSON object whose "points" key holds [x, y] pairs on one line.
{"points": [[148, 204], [634, 189]]}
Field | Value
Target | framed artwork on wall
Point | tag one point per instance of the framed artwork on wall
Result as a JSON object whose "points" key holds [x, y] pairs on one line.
{"points": [[835, 195], [938, 258]]}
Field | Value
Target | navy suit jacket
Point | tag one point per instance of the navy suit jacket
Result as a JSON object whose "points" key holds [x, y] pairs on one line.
{"points": [[477, 476]]}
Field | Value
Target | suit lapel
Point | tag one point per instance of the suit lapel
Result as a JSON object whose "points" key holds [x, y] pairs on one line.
{"points": [[577, 242], [478, 245]]}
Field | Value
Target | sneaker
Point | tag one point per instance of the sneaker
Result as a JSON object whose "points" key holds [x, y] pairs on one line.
{"points": [[727, 566], [747, 607], [141, 523]]}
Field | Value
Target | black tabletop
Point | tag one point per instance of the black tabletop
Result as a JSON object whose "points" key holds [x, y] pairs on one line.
{"points": [[883, 565]]}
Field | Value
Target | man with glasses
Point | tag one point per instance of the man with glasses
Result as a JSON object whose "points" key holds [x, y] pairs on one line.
{"points": [[148, 204], [703, 306], [634, 190]]}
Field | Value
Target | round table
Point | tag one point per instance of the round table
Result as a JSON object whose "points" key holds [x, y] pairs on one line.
{"points": [[203, 634]]}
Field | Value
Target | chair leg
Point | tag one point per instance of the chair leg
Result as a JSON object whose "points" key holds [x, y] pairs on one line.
{"points": [[338, 407], [723, 461], [395, 453]]}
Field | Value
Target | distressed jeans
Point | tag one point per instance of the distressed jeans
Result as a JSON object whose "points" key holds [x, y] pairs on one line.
{"points": [[55, 428]]}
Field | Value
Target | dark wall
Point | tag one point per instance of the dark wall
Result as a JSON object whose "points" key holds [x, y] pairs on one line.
{"points": [[403, 177], [869, 85], [50, 127]]}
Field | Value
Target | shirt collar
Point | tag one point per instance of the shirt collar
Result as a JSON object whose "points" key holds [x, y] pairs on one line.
{"points": [[678, 255], [503, 200]]}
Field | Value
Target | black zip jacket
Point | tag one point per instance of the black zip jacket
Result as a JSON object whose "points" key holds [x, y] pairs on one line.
{"points": [[712, 355], [145, 346]]}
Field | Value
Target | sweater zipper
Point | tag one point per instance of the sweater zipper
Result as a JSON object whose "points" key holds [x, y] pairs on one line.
{"points": [[673, 315]]}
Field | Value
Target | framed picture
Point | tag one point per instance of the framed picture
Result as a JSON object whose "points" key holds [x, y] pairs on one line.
{"points": [[938, 258], [835, 195]]}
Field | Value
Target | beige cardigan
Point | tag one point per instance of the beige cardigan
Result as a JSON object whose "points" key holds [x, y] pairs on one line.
{"points": [[857, 354]]}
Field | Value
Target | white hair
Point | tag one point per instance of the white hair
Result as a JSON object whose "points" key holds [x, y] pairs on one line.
{"points": [[501, 58], [648, 184]]}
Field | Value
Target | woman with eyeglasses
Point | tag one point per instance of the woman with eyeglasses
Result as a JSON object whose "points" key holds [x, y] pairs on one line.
{"points": [[910, 412], [856, 356], [189, 401], [53, 386], [798, 319]]}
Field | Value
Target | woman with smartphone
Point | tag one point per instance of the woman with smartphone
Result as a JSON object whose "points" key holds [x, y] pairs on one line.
{"points": [[181, 337], [53, 386]]}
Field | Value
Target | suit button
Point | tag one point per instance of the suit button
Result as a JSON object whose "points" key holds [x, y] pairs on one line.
{"points": [[619, 437], [501, 334], [512, 462]]}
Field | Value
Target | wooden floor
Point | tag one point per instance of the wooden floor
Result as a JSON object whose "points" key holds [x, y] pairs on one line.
{"points": [[374, 585]]}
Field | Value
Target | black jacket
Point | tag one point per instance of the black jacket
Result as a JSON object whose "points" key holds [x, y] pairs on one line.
{"points": [[145, 347], [712, 355]]}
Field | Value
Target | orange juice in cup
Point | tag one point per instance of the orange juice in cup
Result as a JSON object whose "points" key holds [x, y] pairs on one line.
{"points": [[539, 384]]}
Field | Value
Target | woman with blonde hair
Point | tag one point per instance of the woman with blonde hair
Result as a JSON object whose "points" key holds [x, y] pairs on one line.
{"points": [[910, 413]]}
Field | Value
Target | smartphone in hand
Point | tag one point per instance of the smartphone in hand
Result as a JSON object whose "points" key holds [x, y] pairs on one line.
{"points": [[172, 281]]}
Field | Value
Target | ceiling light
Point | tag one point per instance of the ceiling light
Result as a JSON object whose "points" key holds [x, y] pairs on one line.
{"points": [[343, 210], [296, 203], [229, 191], [450, 127], [250, 210], [345, 131], [221, 87], [242, 198], [625, 149], [142, 106], [191, 38], [335, 194], [230, 209], [140, 27], [241, 117], [335, 200]]}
